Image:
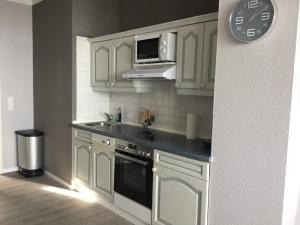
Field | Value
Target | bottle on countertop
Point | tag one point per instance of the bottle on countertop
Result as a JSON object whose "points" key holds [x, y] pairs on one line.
{"points": [[119, 115]]}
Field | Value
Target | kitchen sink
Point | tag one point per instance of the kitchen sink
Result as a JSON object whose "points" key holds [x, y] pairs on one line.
{"points": [[102, 124]]}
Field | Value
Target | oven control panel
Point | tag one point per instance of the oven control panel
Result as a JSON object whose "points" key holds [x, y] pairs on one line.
{"points": [[134, 149], [104, 141]]}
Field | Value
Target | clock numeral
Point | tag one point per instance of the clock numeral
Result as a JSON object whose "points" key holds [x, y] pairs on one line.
{"points": [[265, 16], [252, 4], [250, 32], [239, 20]]}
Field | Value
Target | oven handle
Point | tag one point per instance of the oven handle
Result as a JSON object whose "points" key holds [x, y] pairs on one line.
{"points": [[141, 162]]}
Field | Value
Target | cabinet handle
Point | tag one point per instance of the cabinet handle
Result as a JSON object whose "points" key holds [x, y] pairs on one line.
{"points": [[112, 84], [90, 147], [154, 169], [108, 84], [202, 85]]}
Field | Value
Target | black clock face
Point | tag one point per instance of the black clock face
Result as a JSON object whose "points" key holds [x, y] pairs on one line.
{"points": [[251, 19]]}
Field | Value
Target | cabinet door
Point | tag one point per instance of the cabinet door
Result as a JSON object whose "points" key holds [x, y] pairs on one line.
{"points": [[122, 60], [178, 199], [103, 172], [209, 55], [100, 64], [83, 156], [189, 56]]}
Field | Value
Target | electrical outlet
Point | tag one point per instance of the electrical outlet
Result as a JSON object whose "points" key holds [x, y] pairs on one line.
{"points": [[11, 103]]}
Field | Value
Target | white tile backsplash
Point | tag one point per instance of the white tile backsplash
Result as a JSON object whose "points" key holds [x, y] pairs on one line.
{"points": [[90, 106], [170, 110]]}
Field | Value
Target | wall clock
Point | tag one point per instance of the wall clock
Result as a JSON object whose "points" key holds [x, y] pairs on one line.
{"points": [[252, 19]]}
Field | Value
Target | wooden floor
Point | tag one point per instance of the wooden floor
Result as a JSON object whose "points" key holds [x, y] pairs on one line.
{"points": [[26, 202]]}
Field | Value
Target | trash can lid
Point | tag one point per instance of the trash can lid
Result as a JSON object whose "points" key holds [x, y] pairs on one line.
{"points": [[30, 133]]}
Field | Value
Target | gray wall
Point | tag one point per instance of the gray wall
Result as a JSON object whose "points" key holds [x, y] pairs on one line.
{"points": [[52, 32], [95, 17], [16, 75], [56, 23], [140, 13]]}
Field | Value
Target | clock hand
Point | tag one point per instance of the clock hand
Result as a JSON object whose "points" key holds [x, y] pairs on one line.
{"points": [[257, 13]]}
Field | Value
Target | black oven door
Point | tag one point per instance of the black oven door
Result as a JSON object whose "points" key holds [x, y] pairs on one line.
{"points": [[133, 178]]}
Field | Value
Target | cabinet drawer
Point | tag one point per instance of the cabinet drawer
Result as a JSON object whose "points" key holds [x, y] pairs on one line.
{"points": [[83, 135], [181, 164]]}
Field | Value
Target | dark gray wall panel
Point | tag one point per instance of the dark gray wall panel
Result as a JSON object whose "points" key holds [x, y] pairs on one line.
{"points": [[52, 32], [95, 17], [140, 13]]}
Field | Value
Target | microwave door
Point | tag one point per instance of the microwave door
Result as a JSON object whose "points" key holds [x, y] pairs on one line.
{"points": [[147, 50]]}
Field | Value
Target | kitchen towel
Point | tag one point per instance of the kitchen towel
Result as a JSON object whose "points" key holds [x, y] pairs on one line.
{"points": [[192, 126]]}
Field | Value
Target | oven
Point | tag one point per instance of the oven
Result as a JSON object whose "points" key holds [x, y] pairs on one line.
{"points": [[133, 172]]}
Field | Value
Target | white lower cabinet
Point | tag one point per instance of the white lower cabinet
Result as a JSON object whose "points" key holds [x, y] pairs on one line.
{"points": [[103, 170], [178, 198], [82, 162], [93, 162]]}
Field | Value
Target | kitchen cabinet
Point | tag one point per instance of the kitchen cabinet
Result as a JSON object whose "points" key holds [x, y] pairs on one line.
{"points": [[175, 186], [100, 64], [103, 169], [122, 61], [109, 60], [82, 162], [196, 58], [210, 54], [93, 162], [189, 56]]}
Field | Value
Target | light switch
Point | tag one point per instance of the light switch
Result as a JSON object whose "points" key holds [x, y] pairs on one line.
{"points": [[11, 103]]}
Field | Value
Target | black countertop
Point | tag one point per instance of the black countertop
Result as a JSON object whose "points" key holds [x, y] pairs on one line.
{"points": [[173, 143]]}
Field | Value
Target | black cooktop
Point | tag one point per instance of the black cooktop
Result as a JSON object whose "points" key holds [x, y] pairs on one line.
{"points": [[146, 134]]}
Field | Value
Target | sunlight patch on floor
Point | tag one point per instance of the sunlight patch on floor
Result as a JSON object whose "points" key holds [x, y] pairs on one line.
{"points": [[83, 194]]}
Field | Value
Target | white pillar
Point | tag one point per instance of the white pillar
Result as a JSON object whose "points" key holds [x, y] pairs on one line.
{"points": [[252, 107]]}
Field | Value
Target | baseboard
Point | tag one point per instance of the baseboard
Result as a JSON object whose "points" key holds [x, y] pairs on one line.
{"points": [[9, 170], [57, 179]]}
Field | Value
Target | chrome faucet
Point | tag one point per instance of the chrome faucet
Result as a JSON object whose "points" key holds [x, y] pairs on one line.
{"points": [[109, 117]]}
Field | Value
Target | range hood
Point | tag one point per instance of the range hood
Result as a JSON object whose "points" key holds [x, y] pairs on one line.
{"points": [[152, 72]]}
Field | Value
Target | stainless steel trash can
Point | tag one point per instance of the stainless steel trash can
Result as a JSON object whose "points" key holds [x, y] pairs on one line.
{"points": [[30, 152]]}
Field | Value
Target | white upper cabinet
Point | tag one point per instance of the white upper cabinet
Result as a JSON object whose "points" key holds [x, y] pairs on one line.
{"points": [[110, 59], [196, 58], [122, 60], [209, 56], [100, 64], [113, 55], [189, 56]]}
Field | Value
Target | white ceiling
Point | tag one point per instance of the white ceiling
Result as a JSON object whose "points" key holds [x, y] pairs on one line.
{"points": [[26, 2]]}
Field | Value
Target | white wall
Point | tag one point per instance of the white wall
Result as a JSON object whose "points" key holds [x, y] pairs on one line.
{"points": [[251, 121], [16, 68], [90, 106], [291, 210]]}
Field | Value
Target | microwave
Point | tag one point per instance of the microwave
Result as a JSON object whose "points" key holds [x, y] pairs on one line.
{"points": [[155, 48]]}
